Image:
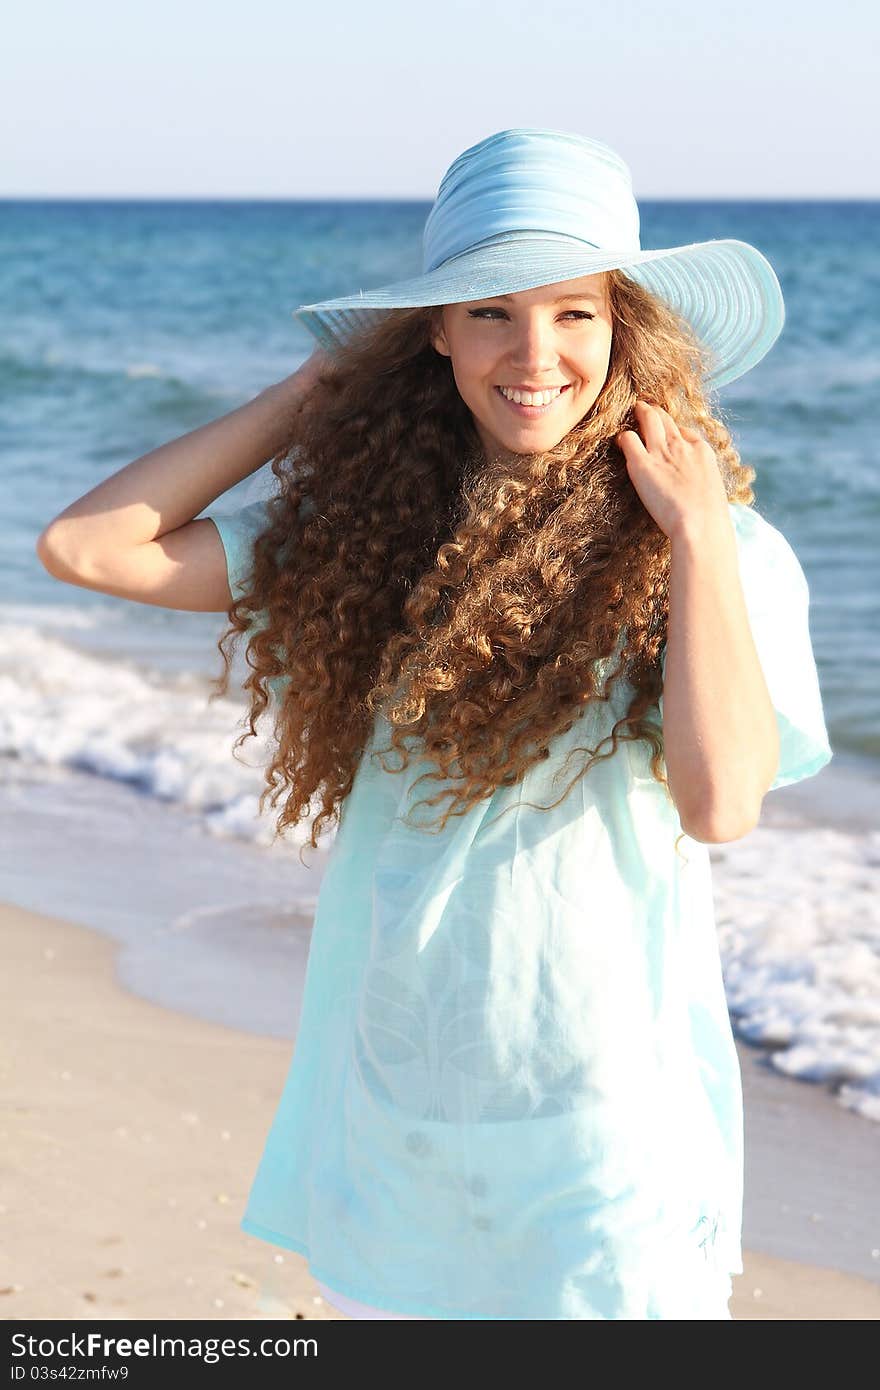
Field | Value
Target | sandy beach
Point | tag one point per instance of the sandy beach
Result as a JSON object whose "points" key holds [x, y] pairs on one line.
{"points": [[131, 1133]]}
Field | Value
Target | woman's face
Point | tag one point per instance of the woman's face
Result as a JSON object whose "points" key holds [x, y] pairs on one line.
{"points": [[554, 336]]}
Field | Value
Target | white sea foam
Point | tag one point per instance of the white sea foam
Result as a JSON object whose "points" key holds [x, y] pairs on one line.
{"points": [[64, 617], [63, 707], [798, 916], [139, 369]]}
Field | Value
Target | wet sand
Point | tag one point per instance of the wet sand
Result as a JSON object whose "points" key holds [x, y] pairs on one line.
{"points": [[132, 1133]]}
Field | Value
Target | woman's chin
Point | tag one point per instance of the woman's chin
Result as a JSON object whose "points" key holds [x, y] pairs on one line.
{"points": [[530, 440]]}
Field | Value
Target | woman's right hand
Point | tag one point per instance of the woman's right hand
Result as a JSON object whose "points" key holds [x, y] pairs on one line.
{"points": [[134, 535]]}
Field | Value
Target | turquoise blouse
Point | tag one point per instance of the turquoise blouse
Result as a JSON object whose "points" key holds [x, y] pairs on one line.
{"points": [[514, 1091]]}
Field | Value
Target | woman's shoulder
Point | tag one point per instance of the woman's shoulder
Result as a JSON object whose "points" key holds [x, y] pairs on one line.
{"points": [[748, 521], [764, 549]]}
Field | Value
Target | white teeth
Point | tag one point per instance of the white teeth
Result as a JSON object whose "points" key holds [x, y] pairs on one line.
{"points": [[530, 397]]}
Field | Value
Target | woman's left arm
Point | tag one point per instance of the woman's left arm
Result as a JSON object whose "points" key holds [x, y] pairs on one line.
{"points": [[719, 726]]}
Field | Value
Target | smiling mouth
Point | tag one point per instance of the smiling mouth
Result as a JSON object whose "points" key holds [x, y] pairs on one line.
{"points": [[531, 411]]}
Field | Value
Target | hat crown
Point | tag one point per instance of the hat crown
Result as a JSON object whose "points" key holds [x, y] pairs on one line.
{"points": [[530, 181]]}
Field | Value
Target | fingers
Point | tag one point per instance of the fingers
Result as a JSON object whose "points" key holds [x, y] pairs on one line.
{"points": [[657, 426], [646, 434], [631, 441], [656, 429], [673, 431]]}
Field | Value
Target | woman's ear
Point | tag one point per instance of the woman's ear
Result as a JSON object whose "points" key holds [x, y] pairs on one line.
{"points": [[438, 337]]}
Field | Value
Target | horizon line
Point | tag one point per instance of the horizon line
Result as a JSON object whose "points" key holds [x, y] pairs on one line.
{"points": [[392, 198]]}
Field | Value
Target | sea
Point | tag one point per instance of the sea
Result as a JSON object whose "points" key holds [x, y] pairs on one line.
{"points": [[126, 324]]}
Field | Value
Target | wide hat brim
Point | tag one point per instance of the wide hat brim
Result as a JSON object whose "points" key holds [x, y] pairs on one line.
{"points": [[726, 290]]}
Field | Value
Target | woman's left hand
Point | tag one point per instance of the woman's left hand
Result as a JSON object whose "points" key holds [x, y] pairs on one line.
{"points": [[674, 471]]}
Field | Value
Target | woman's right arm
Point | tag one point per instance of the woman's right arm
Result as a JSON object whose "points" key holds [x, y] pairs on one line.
{"points": [[133, 535]]}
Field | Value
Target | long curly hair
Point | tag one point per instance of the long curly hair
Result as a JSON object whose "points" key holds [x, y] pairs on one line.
{"points": [[475, 603]]}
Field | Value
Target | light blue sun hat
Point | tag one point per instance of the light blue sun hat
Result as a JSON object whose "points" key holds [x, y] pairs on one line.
{"points": [[527, 207]]}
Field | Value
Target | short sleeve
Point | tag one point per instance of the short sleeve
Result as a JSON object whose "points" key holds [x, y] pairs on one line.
{"points": [[777, 600], [238, 532]]}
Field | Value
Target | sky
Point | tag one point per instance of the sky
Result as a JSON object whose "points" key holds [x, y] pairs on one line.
{"points": [[265, 99]]}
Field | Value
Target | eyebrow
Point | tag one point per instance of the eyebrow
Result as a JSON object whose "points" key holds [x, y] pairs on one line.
{"points": [[595, 295]]}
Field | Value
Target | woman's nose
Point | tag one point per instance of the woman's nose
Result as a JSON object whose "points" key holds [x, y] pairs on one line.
{"points": [[534, 349]]}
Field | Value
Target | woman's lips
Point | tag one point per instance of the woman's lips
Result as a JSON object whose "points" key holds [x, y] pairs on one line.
{"points": [[531, 412]]}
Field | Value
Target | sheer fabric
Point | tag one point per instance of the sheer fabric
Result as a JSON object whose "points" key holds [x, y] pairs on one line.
{"points": [[514, 1091]]}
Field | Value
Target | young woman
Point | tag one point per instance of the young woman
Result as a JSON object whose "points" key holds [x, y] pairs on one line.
{"points": [[531, 649]]}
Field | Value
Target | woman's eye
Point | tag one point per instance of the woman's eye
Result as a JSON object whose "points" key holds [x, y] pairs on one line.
{"points": [[569, 313]]}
